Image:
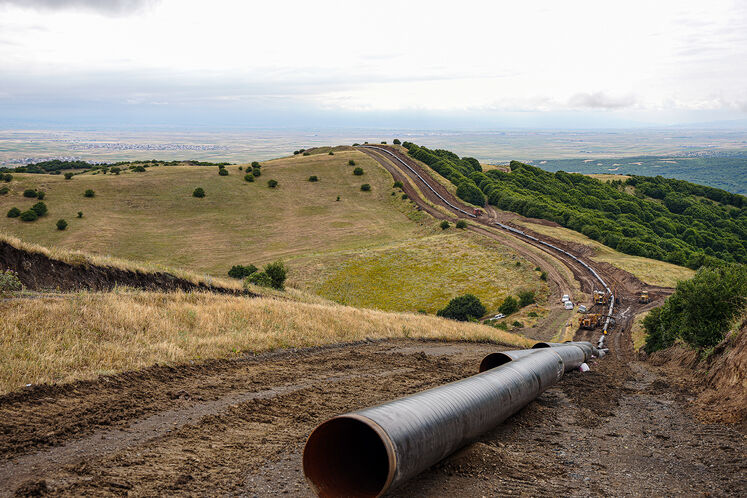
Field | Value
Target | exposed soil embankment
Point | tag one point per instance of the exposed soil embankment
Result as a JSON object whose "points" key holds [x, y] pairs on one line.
{"points": [[719, 381], [38, 271]]}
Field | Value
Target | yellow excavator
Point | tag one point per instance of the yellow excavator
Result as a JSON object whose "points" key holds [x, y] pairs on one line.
{"points": [[643, 297], [591, 321]]}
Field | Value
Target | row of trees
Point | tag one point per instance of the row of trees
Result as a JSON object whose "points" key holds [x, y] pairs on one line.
{"points": [[670, 220]]}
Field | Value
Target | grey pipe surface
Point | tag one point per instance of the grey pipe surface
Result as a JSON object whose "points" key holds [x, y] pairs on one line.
{"points": [[573, 354], [367, 452]]}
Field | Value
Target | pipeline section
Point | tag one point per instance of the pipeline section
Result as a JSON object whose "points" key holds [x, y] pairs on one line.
{"points": [[367, 452]]}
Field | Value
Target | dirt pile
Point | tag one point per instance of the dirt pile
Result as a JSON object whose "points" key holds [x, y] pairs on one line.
{"points": [[38, 271], [719, 381]]}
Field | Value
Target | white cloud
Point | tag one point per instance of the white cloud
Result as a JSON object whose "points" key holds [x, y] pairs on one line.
{"points": [[108, 7]]}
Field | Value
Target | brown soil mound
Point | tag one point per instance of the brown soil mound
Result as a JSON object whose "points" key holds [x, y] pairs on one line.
{"points": [[720, 381], [38, 271]]}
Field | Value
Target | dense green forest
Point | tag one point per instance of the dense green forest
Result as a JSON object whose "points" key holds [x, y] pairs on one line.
{"points": [[56, 166], [726, 170], [670, 220]]}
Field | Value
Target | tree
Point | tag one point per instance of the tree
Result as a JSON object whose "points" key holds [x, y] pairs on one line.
{"points": [[463, 308], [272, 183], [69, 176], [198, 192], [396, 141], [461, 224], [223, 172], [256, 172], [358, 171], [80, 214], [468, 191], [61, 224], [398, 184], [526, 298], [89, 193], [241, 272], [365, 187], [115, 170], [30, 193], [40, 209], [444, 225], [7, 177], [509, 305], [29, 216], [313, 178], [277, 273], [331, 153], [351, 163], [259, 278], [249, 177], [14, 212]]}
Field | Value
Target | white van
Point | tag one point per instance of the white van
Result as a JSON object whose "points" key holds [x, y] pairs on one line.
{"points": [[565, 298], [568, 305]]}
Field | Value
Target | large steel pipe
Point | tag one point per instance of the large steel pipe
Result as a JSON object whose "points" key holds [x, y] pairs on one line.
{"points": [[367, 452], [572, 354], [589, 350]]}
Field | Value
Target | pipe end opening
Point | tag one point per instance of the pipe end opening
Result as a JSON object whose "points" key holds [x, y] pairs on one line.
{"points": [[494, 360]]}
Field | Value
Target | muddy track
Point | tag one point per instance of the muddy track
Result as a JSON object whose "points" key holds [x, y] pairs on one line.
{"points": [[37, 271], [237, 427]]}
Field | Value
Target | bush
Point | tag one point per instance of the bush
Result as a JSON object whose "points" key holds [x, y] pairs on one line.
{"points": [[69, 176], [256, 164], [4, 190], [241, 168], [198, 192], [509, 306], [256, 172], [532, 314], [518, 324], [14, 212], [331, 153], [404, 196], [277, 273], [61, 224], [383, 142], [351, 163], [241, 272], [139, 169], [272, 183], [313, 178], [30, 193], [80, 214], [526, 298], [115, 170], [29, 216], [463, 308], [40, 194], [40, 209], [358, 171], [338, 199], [444, 225], [461, 224], [89, 193], [9, 283], [259, 278], [7, 177], [365, 187], [398, 184], [223, 172], [396, 141], [249, 177], [537, 268], [502, 326], [543, 276], [307, 153]]}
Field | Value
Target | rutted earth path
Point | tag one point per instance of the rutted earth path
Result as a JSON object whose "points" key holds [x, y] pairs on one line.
{"points": [[238, 427]]}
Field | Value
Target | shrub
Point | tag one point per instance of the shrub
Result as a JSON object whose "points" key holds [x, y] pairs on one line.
{"points": [[198, 192], [30, 193], [259, 278], [249, 177], [398, 184], [80, 214], [365, 187], [139, 169], [241, 272], [313, 178], [518, 263], [306, 153], [404, 196], [40, 194], [461, 224], [256, 164], [221, 166], [338, 199], [358, 171], [272, 183], [9, 283], [14, 212], [526, 298], [241, 168], [7, 177], [40, 209], [256, 172], [69, 176], [295, 152], [509, 305], [115, 170], [4, 190], [463, 308], [444, 225], [351, 163], [543, 276], [383, 142], [89, 193], [517, 324], [396, 141], [532, 314], [61, 224], [29, 216], [277, 273], [331, 153], [537, 268], [502, 326], [223, 172]]}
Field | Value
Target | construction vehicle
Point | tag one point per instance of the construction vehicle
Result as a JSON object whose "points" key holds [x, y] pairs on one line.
{"points": [[591, 321], [478, 212], [601, 297], [643, 297]]}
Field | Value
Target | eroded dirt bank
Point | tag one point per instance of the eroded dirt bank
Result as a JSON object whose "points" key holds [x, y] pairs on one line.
{"points": [[238, 427]]}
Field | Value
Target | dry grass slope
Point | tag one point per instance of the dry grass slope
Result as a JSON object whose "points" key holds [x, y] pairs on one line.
{"points": [[79, 336]]}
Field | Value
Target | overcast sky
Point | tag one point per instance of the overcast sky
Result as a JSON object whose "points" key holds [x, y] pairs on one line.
{"points": [[399, 63]]}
